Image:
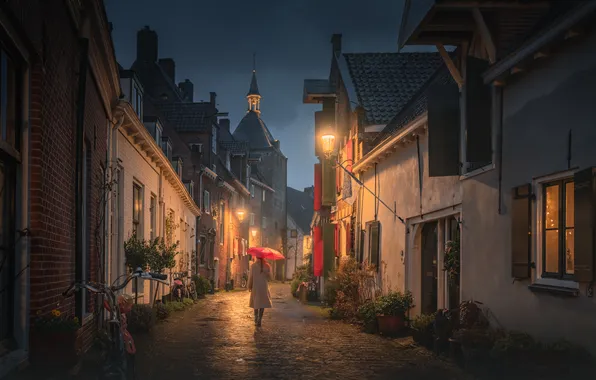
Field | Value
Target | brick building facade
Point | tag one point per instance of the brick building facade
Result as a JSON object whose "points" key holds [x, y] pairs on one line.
{"points": [[53, 158]]}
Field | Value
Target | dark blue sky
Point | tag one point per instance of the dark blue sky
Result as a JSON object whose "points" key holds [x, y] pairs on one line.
{"points": [[212, 42]]}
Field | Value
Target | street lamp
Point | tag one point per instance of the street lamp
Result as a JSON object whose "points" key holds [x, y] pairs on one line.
{"points": [[253, 232], [240, 214], [328, 144], [328, 148]]}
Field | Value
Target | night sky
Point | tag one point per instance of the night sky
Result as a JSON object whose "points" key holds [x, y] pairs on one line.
{"points": [[212, 42]]}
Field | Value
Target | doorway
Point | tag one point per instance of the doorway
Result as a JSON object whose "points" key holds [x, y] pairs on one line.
{"points": [[429, 268], [453, 286]]}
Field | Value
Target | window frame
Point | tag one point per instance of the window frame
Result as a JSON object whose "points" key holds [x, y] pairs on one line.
{"points": [[252, 190], [153, 216], [206, 202], [252, 219], [537, 239], [137, 225], [263, 195], [561, 227]]}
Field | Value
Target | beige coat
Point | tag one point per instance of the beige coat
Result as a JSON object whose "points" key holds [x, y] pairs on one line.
{"points": [[260, 298]]}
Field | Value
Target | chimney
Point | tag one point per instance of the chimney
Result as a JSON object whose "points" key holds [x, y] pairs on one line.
{"points": [[169, 67], [146, 45], [212, 97], [336, 43], [276, 144], [310, 191], [224, 124], [188, 89]]}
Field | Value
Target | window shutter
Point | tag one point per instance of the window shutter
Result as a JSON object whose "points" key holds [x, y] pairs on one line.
{"points": [[478, 112], [521, 230], [373, 243], [584, 223], [328, 177], [443, 130]]}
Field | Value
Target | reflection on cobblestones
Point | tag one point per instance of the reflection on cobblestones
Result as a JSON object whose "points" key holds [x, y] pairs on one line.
{"points": [[217, 339]]}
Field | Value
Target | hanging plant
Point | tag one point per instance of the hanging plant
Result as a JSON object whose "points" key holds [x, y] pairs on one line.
{"points": [[451, 260]]}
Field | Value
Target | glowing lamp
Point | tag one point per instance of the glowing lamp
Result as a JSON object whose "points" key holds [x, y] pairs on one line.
{"points": [[328, 144], [253, 233]]}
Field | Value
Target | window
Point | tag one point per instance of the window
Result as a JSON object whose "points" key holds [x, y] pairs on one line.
{"points": [[373, 233], [264, 223], [252, 219], [214, 139], [178, 166], [206, 202], [157, 132], [263, 193], [138, 101], [153, 216], [137, 209], [222, 210], [252, 191], [558, 229]]}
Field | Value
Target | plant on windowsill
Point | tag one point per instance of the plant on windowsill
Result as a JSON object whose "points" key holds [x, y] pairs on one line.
{"points": [[52, 330], [451, 261]]}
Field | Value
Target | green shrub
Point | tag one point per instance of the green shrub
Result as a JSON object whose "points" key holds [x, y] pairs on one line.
{"points": [[423, 322], [141, 318], [303, 274], [161, 311], [175, 306], [367, 313], [188, 302], [202, 284], [395, 304]]}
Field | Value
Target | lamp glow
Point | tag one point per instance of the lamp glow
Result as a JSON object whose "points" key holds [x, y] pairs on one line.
{"points": [[240, 214], [328, 143], [253, 233]]}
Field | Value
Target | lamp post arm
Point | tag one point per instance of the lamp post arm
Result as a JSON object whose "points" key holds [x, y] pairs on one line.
{"points": [[370, 191]]}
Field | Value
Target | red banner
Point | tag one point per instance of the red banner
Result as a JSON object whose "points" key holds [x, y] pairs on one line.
{"points": [[318, 252], [318, 186]]}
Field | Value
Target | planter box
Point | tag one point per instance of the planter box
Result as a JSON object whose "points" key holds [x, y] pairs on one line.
{"points": [[53, 348], [390, 325]]}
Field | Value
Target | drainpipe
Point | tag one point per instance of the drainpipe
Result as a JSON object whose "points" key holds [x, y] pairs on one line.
{"points": [[80, 135]]}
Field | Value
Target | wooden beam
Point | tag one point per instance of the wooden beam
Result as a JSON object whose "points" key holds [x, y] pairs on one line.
{"points": [[451, 65], [486, 35]]}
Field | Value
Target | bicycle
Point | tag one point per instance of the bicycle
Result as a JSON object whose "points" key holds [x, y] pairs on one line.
{"points": [[120, 356]]}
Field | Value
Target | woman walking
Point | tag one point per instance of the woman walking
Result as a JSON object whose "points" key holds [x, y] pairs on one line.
{"points": [[258, 286]]}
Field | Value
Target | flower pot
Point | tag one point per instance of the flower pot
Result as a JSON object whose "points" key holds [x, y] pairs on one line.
{"points": [[390, 324], [53, 348]]}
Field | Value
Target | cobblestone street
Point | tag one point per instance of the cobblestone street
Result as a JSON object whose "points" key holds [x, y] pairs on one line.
{"points": [[217, 339]]}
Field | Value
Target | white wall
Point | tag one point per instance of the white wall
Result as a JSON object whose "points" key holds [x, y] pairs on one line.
{"points": [[397, 181], [539, 109]]}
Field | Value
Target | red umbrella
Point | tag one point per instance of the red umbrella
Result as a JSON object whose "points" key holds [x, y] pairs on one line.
{"points": [[265, 253], [178, 282]]}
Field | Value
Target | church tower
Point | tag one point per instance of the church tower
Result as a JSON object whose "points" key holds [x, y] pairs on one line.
{"points": [[253, 96]]}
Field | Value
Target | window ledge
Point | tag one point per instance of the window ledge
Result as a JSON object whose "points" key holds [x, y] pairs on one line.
{"points": [[478, 171], [564, 291]]}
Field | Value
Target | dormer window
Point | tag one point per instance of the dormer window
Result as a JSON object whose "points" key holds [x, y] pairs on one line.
{"points": [[166, 146], [177, 161], [133, 91], [154, 127], [190, 187]]}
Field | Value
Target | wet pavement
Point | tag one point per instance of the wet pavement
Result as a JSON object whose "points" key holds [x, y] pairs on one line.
{"points": [[217, 339]]}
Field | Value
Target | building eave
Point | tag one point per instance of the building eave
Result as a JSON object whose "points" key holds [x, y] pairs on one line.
{"points": [[261, 184], [505, 66], [137, 132], [391, 144]]}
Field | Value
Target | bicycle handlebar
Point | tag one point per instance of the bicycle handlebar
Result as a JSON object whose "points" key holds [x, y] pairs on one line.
{"points": [[100, 288]]}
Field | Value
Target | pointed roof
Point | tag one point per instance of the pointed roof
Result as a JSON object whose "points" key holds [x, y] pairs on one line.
{"points": [[253, 129], [254, 87]]}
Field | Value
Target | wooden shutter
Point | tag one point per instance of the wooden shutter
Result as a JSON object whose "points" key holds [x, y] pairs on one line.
{"points": [[478, 112], [328, 249], [373, 243], [521, 231], [443, 130], [584, 223], [318, 190]]}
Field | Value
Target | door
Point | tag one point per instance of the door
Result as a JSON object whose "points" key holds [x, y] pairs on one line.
{"points": [[453, 286], [7, 193], [216, 274], [429, 268]]}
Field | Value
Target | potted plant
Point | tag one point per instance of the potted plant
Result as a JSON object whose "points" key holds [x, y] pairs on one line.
{"points": [[52, 331], [391, 311], [423, 330], [367, 312]]}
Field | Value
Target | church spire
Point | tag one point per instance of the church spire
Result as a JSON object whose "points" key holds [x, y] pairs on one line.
{"points": [[253, 96]]}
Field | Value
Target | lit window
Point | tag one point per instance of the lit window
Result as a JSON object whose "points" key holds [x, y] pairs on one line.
{"points": [[558, 229], [137, 208]]}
